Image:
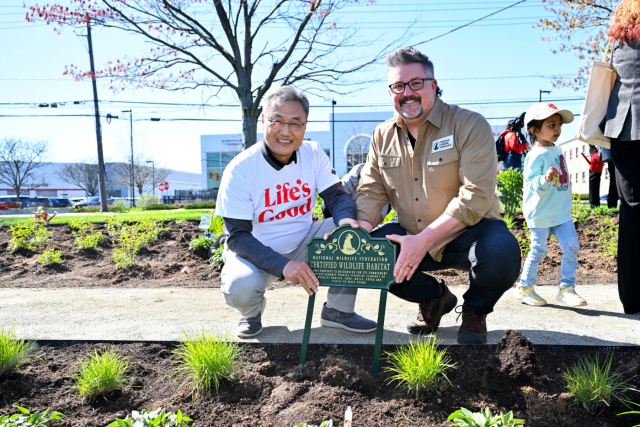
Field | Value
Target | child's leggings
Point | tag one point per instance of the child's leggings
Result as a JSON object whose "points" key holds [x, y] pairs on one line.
{"points": [[568, 239]]}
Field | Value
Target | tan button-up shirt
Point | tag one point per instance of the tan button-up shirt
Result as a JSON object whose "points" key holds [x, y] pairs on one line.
{"points": [[452, 170]]}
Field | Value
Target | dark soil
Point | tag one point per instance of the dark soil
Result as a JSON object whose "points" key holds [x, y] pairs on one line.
{"points": [[272, 390], [170, 263]]}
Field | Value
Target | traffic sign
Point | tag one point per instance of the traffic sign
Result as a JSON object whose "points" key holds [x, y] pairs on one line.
{"points": [[163, 186]]}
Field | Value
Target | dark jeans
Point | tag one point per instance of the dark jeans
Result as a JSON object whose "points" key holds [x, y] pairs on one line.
{"points": [[487, 250], [612, 197], [513, 160], [626, 158], [594, 188]]}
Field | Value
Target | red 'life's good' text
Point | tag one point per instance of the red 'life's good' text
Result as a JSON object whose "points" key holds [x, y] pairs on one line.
{"points": [[286, 193]]}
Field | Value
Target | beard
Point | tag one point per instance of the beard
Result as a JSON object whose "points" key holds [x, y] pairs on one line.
{"points": [[407, 115]]}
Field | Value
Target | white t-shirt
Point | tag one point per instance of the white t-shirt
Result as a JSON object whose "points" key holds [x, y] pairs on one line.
{"points": [[279, 202]]}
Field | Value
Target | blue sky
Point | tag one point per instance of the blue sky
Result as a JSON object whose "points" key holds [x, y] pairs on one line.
{"points": [[483, 67]]}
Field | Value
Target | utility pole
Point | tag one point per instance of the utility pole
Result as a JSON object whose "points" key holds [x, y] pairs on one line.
{"points": [[333, 133], [131, 180], [153, 176], [544, 91], [101, 173]]}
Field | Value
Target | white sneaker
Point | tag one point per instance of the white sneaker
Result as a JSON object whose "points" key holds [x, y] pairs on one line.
{"points": [[570, 297], [528, 295]]}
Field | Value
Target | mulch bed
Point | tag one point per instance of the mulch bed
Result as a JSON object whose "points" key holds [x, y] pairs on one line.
{"points": [[170, 263], [272, 390]]}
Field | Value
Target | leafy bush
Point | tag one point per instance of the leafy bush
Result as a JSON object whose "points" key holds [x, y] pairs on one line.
{"points": [[13, 351], [509, 221], [418, 365], [465, 418], [328, 423], [159, 207], [602, 210], [27, 419], [201, 205], [390, 216], [607, 233], [216, 259], [50, 257], [134, 237], [114, 225], [201, 243], [156, 418], [593, 385], [317, 209], [90, 209], [510, 184], [582, 196], [525, 241], [122, 203], [579, 211], [217, 225], [85, 235], [206, 360], [100, 373], [147, 199], [28, 236], [118, 209]]}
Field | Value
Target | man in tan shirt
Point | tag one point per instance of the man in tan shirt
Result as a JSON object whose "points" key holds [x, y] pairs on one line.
{"points": [[436, 164]]}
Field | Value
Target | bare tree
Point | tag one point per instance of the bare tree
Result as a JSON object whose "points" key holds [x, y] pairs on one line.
{"points": [[84, 174], [242, 47], [19, 163], [143, 175], [580, 27], [358, 146]]}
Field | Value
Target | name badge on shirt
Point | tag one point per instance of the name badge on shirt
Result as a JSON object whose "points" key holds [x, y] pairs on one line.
{"points": [[442, 144]]}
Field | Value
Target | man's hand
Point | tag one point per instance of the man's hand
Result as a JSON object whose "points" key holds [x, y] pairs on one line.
{"points": [[551, 173], [365, 225], [412, 250], [300, 273], [345, 221]]}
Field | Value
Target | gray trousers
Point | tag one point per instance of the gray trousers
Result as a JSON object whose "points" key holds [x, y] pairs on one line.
{"points": [[244, 284]]}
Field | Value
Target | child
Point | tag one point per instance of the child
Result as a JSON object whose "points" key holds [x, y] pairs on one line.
{"points": [[547, 205]]}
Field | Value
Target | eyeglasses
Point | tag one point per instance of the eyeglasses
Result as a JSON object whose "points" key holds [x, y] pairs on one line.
{"points": [[415, 84], [293, 126]]}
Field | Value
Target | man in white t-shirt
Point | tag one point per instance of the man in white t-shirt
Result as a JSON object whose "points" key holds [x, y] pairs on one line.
{"points": [[267, 195]]}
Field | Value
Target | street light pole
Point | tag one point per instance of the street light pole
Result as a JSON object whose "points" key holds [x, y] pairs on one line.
{"points": [[153, 176], [131, 180], [333, 133], [544, 91]]}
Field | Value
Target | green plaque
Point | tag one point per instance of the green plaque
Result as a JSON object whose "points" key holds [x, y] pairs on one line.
{"points": [[352, 258]]}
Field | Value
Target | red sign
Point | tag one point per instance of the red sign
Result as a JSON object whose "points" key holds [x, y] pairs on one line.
{"points": [[163, 186]]}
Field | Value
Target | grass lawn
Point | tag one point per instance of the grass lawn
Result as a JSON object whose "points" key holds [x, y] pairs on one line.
{"points": [[193, 214]]}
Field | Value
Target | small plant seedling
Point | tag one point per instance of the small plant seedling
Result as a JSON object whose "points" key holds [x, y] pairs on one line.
{"points": [[601, 210], [631, 412], [85, 236], [13, 351], [114, 226], [50, 257], [100, 373], [156, 418], [418, 365], [205, 360], [579, 211], [525, 241], [201, 243], [465, 418], [134, 237], [509, 220], [27, 419], [216, 259], [594, 385], [179, 221], [607, 233], [328, 423]]}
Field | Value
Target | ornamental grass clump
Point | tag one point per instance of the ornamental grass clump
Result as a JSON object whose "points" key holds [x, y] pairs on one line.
{"points": [[156, 418], [594, 385], [13, 351], [418, 365], [85, 236], [205, 360], [28, 236], [100, 374], [27, 419]]}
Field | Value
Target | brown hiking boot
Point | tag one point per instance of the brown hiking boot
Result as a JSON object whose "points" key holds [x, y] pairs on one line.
{"points": [[473, 330], [430, 312]]}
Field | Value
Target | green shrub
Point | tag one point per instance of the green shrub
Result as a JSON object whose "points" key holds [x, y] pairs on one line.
{"points": [[510, 184], [216, 259], [509, 221], [525, 241], [465, 418], [206, 360], [50, 257], [122, 203], [201, 205], [134, 237], [118, 209], [159, 207], [582, 196], [579, 211], [217, 225], [124, 258], [90, 209], [28, 236], [85, 235], [27, 419], [201, 243], [594, 385], [100, 373], [114, 225], [390, 216], [13, 351], [147, 199], [607, 234], [418, 365], [317, 209], [156, 418]]}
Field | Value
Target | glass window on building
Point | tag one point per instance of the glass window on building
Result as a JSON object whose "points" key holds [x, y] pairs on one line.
{"points": [[570, 177], [584, 177], [357, 150], [216, 163], [571, 154]]}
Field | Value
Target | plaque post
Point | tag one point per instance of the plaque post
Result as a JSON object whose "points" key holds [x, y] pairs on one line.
{"points": [[307, 329], [379, 332]]}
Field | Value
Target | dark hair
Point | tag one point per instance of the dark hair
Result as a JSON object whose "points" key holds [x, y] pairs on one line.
{"points": [[534, 124], [410, 55], [282, 94], [516, 126]]}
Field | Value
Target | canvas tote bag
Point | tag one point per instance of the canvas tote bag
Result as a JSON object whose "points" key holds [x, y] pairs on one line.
{"points": [[601, 80]]}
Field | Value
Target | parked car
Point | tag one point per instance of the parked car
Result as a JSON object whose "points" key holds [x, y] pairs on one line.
{"points": [[7, 202], [37, 202], [60, 202], [90, 201]]}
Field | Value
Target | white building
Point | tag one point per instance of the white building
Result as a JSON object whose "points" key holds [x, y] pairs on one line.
{"points": [[579, 168]]}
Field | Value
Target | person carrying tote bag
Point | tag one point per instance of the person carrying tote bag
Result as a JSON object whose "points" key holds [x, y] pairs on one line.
{"points": [[622, 125]]}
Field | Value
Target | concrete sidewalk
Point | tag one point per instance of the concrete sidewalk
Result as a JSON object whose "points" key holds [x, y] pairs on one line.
{"points": [[162, 314]]}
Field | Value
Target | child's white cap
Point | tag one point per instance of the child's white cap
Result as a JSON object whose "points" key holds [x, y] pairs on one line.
{"points": [[544, 110]]}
